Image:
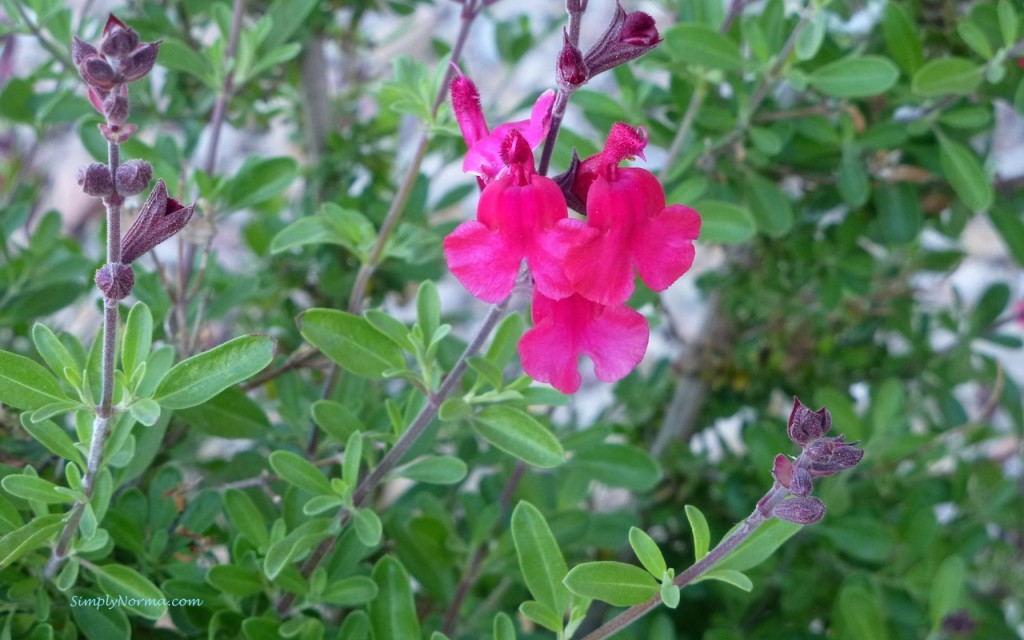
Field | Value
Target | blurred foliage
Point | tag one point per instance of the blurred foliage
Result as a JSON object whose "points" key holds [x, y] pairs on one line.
{"points": [[838, 154]]}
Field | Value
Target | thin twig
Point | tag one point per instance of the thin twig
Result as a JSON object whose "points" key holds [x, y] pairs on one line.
{"points": [[696, 100], [57, 52]]}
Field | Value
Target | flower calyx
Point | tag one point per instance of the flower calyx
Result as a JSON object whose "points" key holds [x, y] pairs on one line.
{"points": [[628, 36], [160, 218]]}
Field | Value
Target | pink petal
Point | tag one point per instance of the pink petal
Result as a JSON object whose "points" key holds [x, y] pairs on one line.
{"points": [[545, 257], [484, 156], [598, 267], [662, 249], [483, 260], [615, 339], [468, 113], [546, 358]]}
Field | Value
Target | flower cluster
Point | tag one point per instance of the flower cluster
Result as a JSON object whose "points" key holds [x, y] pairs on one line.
{"points": [[582, 271], [821, 457]]}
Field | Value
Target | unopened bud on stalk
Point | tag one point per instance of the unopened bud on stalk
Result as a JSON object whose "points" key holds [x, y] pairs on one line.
{"points": [[95, 180], [133, 177], [801, 510], [80, 49], [115, 280], [805, 425], [628, 36], [141, 61], [160, 218], [97, 72], [119, 40], [572, 70]]}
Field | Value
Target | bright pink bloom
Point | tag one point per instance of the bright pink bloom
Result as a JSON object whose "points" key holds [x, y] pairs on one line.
{"points": [[614, 337], [628, 225], [484, 156], [515, 220]]}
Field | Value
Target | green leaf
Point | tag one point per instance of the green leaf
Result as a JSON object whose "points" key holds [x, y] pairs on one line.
{"points": [[259, 180], [699, 44], [177, 55], [121, 581], [1008, 22], [540, 559], [616, 583], [647, 551], [351, 342], [965, 174], [947, 591], [298, 471], [54, 353], [990, 306], [454, 409], [762, 543], [229, 414], [975, 38], [350, 592], [862, 614], [25, 384], [246, 518], [286, 16], [301, 540], [901, 38], [391, 327], [435, 470], [352, 458], [234, 580], [618, 465], [541, 614], [355, 627], [503, 346], [54, 409], [670, 594], [146, 411], [100, 623], [725, 222], [336, 419], [428, 308], [34, 488], [729, 576], [29, 537], [53, 438], [203, 376], [772, 210], [699, 530], [1011, 228], [305, 231], [393, 611], [368, 526], [854, 185], [899, 212], [809, 40], [855, 77], [946, 76], [503, 629], [518, 434], [138, 338]]}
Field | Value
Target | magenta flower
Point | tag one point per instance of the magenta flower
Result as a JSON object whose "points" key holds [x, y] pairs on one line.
{"points": [[515, 220], [484, 156], [628, 226], [614, 337]]}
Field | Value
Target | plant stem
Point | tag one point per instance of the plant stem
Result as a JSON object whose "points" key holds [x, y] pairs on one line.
{"points": [[469, 577], [404, 443], [557, 114], [105, 411], [696, 100]]}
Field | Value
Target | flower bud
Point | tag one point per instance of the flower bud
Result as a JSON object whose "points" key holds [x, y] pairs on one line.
{"points": [[160, 218], [80, 49], [801, 510], [141, 61], [97, 72], [115, 280], [627, 37], [783, 470], [831, 455], [805, 425], [115, 105], [95, 180], [801, 484], [119, 41], [133, 177], [572, 70]]}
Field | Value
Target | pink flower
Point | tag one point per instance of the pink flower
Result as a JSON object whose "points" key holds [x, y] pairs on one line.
{"points": [[515, 220], [628, 226], [484, 156], [614, 337]]}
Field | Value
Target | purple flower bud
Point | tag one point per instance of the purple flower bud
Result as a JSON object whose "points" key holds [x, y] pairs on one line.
{"points": [[115, 280], [840, 458], [95, 180], [133, 177], [783, 470], [805, 425], [801, 485], [141, 61], [97, 72], [801, 510], [115, 105], [572, 70], [113, 23], [80, 49], [119, 40], [627, 37], [160, 218]]}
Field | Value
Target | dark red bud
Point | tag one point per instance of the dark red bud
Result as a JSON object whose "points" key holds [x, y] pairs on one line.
{"points": [[627, 37], [115, 280], [95, 180], [801, 510], [97, 72], [80, 49], [112, 23], [639, 30], [160, 218], [805, 425], [572, 70], [133, 177], [119, 41], [141, 61], [830, 456]]}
